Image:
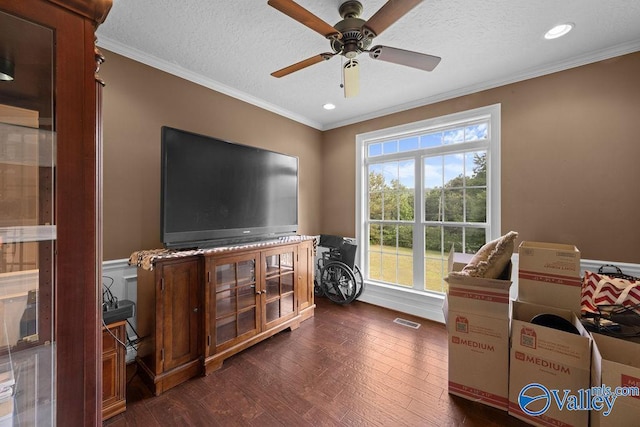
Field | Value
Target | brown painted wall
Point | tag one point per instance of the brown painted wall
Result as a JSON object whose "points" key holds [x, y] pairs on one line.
{"points": [[570, 158], [138, 100], [570, 154]]}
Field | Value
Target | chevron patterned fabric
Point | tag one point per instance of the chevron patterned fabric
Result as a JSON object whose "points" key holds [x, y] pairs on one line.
{"points": [[600, 289]]}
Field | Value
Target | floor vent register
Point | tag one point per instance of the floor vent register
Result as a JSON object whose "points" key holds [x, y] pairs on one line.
{"points": [[407, 323]]}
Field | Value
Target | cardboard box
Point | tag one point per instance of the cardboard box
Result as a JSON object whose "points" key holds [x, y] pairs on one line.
{"points": [[477, 316], [616, 363], [549, 274], [543, 360]]}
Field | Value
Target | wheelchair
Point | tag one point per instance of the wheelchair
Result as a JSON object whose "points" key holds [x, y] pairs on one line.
{"points": [[337, 276]]}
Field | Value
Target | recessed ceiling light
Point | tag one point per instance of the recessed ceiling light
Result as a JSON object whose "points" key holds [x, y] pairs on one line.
{"points": [[328, 106], [558, 31]]}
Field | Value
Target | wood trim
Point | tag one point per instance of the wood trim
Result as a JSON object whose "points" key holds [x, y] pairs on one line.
{"points": [[95, 10]]}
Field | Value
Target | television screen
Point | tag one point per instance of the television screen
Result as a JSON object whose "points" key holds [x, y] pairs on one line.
{"points": [[216, 192]]}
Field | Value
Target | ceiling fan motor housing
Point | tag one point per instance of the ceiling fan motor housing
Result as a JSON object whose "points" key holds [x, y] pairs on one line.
{"points": [[353, 42]]}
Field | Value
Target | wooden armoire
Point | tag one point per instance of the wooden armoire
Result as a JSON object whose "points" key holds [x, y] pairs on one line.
{"points": [[51, 215]]}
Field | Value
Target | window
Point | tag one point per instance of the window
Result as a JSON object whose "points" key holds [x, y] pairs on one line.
{"points": [[423, 188]]}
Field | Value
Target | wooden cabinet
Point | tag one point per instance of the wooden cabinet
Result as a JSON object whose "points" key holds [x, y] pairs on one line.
{"points": [[305, 272], [113, 369], [252, 296], [169, 317], [280, 283], [234, 301], [248, 293], [58, 239]]}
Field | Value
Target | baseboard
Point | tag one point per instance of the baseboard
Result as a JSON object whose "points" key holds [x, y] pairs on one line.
{"points": [[420, 304]]}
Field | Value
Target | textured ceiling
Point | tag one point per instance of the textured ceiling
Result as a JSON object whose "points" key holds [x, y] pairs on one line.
{"points": [[233, 46]]}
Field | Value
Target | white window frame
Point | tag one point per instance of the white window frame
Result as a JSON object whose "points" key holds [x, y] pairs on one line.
{"points": [[415, 300]]}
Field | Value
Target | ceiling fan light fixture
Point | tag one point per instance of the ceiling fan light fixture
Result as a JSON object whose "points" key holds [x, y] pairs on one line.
{"points": [[559, 31], [7, 69]]}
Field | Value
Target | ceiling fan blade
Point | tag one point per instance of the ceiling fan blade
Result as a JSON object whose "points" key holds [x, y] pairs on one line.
{"points": [[388, 14], [351, 76], [409, 58], [303, 16], [302, 64]]}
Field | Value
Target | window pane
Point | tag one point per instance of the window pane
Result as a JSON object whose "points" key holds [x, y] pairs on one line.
{"points": [[375, 206], [389, 267], [407, 205], [433, 172], [476, 132], [453, 136], [375, 265], [435, 269], [476, 205], [376, 178], [374, 235], [390, 147], [405, 238], [474, 239], [390, 205], [431, 140], [433, 240], [409, 144], [375, 149], [405, 255], [476, 168], [453, 206], [406, 174], [452, 236], [453, 170], [434, 259], [405, 268], [375, 254], [390, 173], [406, 190], [389, 238], [433, 205]]}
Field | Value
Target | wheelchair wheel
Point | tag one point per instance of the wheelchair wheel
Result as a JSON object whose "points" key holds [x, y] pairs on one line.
{"points": [[317, 289], [338, 282], [359, 281]]}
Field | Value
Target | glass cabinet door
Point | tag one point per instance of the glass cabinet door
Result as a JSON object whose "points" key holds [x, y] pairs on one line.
{"points": [[235, 296], [27, 222], [280, 303]]}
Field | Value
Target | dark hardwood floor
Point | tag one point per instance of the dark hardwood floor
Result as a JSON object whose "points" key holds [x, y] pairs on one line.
{"points": [[349, 365]]}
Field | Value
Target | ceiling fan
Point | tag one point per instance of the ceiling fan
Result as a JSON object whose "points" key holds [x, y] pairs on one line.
{"points": [[353, 36]]}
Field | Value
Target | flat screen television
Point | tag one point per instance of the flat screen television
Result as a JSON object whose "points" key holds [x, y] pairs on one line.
{"points": [[216, 192]]}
